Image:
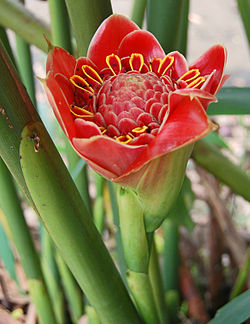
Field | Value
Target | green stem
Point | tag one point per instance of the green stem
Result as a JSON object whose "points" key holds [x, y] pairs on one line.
{"points": [[244, 9], [210, 158], [138, 11], [5, 40], [182, 30], [24, 62], [157, 284], [119, 248], [72, 290], [22, 239], [81, 180], [14, 16], [136, 250], [171, 258], [60, 24], [98, 210], [86, 16], [51, 276], [163, 20], [242, 277]]}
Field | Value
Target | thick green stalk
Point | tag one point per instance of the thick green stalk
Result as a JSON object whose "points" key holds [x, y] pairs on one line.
{"points": [[231, 101], [210, 158], [72, 291], [156, 282], [22, 239], [51, 276], [119, 248], [138, 11], [24, 62], [182, 30], [244, 9], [93, 318], [75, 235], [98, 210], [14, 16], [60, 24], [81, 180], [86, 16], [137, 251], [171, 258], [163, 20]]}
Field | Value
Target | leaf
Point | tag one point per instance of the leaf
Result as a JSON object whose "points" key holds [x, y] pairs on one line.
{"points": [[231, 101], [234, 312], [216, 139]]}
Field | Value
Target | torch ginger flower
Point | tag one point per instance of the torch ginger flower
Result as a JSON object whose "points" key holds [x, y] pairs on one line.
{"points": [[132, 112]]}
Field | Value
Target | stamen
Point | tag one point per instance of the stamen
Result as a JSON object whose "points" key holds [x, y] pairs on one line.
{"points": [[165, 64], [103, 129], [154, 64], [140, 130], [114, 63], [80, 83], [196, 82], [190, 75], [136, 62], [81, 112], [125, 139], [91, 74]]}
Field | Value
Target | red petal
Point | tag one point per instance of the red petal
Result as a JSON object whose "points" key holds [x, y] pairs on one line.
{"points": [[108, 38], [109, 155], [85, 129], [213, 59], [187, 123], [179, 66], [60, 61], [142, 42], [204, 97], [60, 103]]}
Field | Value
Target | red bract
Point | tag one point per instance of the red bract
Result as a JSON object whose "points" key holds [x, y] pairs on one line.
{"points": [[127, 103]]}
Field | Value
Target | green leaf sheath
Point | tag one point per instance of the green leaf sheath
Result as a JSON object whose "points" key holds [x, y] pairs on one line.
{"points": [[22, 239], [14, 16], [231, 101], [66, 219], [244, 9], [210, 158], [86, 16]]}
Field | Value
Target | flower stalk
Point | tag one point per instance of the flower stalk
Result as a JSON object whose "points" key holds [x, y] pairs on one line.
{"points": [[137, 254]]}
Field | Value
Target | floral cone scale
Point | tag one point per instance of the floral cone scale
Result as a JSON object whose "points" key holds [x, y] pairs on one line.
{"points": [[131, 111]]}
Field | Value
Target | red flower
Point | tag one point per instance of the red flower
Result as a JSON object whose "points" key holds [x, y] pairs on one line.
{"points": [[128, 103]]}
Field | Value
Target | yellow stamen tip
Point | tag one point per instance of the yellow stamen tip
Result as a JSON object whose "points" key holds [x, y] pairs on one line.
{"points": [[124, 139]]}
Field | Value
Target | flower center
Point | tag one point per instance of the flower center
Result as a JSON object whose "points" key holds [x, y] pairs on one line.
{"points": [[128, 100]]}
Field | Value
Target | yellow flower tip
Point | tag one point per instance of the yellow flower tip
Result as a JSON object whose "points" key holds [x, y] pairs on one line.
{"points": [[124, 139]]}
